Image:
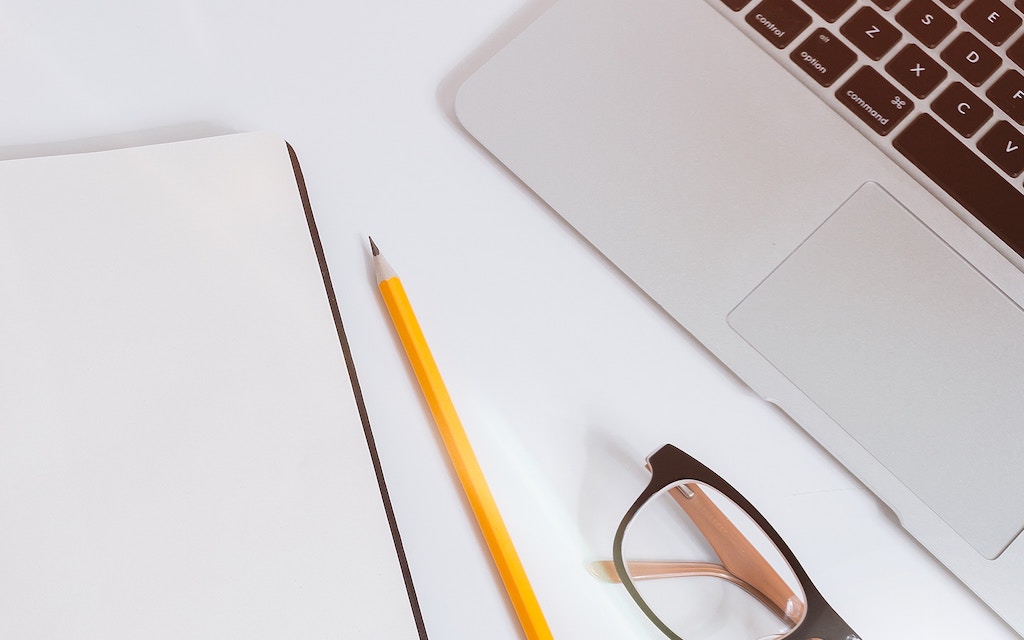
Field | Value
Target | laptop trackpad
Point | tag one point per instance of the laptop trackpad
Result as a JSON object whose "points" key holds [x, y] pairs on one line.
{"points": [[913, 352]]}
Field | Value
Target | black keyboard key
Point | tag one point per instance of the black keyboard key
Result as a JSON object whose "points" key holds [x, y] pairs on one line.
{"points": [[779, 21], [926, 21], [1015, 52], [1008, 94], [965, 177], [961, 109], [971, 58], [952, 4], [1004, 145], [885, 5], [995, 21], [871, 33], [824, 57], [736, 5], [829, 10], [874, 100], [916, 70]]}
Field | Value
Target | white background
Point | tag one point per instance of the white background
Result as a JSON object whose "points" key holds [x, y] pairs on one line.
{"points": [[565, 376]]}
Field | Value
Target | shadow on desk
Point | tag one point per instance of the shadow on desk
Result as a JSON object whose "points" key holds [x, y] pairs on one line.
{"points": [[108, 142]]}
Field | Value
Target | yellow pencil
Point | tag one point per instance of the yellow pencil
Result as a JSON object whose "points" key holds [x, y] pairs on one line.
{"points": [[463, 459]]}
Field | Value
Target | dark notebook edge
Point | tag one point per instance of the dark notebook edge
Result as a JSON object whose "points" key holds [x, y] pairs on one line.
{"points": [[357, 392]]}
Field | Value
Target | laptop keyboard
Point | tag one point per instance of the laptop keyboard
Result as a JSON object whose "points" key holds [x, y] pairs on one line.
{"points": [[937, 83]]}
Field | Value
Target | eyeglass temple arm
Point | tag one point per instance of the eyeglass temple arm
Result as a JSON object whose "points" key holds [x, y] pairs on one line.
{"points": [[653, 570], [740, 557]]}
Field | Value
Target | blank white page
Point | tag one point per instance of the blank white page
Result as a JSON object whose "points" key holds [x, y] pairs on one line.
{"points": [[181, 450]]}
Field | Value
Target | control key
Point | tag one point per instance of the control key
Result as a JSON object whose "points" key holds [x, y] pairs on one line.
{"points": [[779, 21]]}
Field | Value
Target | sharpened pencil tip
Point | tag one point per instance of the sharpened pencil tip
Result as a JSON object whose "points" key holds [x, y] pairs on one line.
{"points": [[381, 267]]}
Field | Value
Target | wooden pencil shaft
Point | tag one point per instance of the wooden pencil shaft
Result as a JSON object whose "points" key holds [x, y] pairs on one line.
{"points": [[464, 461]]}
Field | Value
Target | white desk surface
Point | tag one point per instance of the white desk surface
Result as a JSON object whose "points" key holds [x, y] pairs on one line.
{"points": [[565, 376]]}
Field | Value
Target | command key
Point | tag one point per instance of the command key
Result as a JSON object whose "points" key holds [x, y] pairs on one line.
{"points": [[875, 100]]}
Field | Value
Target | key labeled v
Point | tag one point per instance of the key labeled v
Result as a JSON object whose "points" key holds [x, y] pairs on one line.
{"points": [[1002, 144]]}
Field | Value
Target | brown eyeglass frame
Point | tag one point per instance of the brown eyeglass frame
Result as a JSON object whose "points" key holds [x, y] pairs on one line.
{"points": [[741, 563]]}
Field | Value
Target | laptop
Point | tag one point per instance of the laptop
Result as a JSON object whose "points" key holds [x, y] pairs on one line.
{"points": [[828, 195]]}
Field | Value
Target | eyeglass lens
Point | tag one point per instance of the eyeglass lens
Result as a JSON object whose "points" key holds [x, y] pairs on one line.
{"points": [[704, 570]]}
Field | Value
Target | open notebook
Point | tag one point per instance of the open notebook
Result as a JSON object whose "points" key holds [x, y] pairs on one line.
{"points": [[183, 447]]}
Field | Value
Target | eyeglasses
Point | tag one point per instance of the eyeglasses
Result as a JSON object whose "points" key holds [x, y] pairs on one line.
{"points": [[703, 564]]}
